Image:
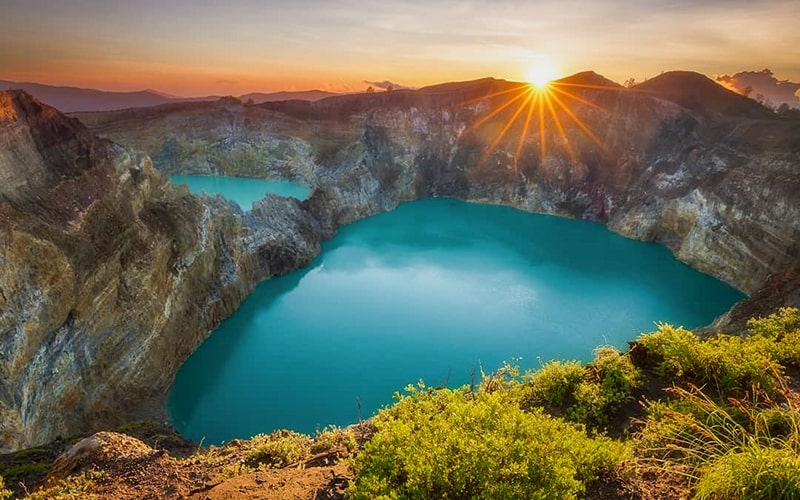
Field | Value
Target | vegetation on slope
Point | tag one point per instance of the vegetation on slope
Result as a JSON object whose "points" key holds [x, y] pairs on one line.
{"points": [[728, 426], [713, 418], [464, 444]]}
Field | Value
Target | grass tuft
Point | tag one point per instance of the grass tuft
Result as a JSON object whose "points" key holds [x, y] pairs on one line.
{"points": [[279, 449], [71, 488], [747, 447]]}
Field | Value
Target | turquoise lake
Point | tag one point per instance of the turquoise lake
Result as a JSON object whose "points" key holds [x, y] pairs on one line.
{"points": [[242, 190], [431, 290]]}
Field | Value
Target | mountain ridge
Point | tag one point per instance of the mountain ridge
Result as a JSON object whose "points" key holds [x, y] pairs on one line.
{"points": [[69, 99], [683, 87]]}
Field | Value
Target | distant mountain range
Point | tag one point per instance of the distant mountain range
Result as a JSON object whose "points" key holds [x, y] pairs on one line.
{"points": [[72, 99], [305, 95]]}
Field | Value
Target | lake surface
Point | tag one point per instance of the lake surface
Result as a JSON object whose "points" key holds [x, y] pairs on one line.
{"points": [[242, 190], [431, 290]]}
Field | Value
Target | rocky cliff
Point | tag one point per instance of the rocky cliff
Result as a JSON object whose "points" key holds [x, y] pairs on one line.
{"points": [[110, 276], [678, 160]]}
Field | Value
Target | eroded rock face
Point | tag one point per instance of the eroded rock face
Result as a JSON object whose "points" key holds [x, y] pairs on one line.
{"points": [[710, 174], [111, 276]]}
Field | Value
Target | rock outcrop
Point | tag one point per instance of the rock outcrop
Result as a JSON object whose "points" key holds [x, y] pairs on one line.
{"points": [[111, 276], [98, 451]]}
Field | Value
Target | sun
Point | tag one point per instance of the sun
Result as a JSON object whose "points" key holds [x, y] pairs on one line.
{"points": [[541, 74]]}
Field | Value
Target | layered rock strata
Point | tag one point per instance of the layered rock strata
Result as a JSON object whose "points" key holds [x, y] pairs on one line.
{"points": [[110, 276]]}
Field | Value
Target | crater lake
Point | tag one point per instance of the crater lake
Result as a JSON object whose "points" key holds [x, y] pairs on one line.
{"points": [[436, 290]]}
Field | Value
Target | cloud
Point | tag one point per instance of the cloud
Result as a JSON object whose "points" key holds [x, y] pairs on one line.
{"points": [[385, 84], [763, 86]]}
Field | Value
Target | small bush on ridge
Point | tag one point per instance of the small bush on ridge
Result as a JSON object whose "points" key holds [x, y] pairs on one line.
{"points": [[278, 449], [332, 437], [783, 330], [555, 382], [588, 395], [727, 362]]}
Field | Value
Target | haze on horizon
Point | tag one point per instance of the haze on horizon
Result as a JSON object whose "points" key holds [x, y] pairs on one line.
{"points": [[194, 48]]}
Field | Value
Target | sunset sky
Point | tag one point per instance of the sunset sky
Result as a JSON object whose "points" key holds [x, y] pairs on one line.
{"points": [[201, 47]]}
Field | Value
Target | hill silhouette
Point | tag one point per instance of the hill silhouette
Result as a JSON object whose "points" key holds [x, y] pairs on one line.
{"points": [[71, 99], [699, 93], [588, 79]]}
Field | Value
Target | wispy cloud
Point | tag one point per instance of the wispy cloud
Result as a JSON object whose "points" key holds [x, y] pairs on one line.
{"points": [[186, 47], [763, 86]]}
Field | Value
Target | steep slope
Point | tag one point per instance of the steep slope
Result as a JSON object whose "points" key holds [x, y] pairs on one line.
{"points": [[111, 276]]}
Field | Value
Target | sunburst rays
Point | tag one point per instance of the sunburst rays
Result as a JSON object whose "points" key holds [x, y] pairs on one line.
{"points": [[550, 107]]}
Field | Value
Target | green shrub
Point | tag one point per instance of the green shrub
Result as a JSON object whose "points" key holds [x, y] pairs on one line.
{"points": [[588, 408], [615, 374], [27, 469], [674, 348], [774, 326], [71, 488], [29, 452], [555, 382], [332, 438], [727, 362], [278, 449], [588, 395], [782, 329], [756, 472], [504, 377], [738, 363], [235, 470], [460, 444]]}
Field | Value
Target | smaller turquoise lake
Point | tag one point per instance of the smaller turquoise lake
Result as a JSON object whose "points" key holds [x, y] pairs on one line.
{"points": [[432, 290], [242, 190]]}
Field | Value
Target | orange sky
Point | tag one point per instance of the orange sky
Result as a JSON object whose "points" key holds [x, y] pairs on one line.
{"points": [[204, 47]]}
